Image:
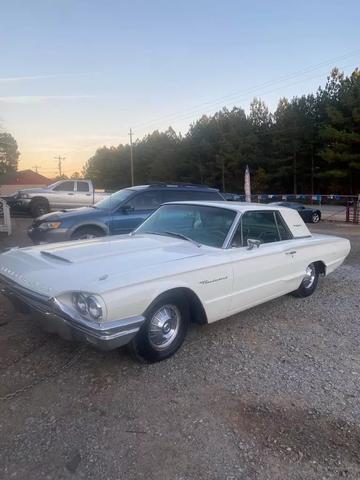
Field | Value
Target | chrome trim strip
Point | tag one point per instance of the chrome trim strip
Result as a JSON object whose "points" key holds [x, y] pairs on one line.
{"points": [[231, 233]]}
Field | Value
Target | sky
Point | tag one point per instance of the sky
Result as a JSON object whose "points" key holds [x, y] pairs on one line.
{"points": [[76, 75]]}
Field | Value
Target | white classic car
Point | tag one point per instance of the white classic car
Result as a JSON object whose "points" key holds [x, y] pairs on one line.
{"points": [[188, 262]]}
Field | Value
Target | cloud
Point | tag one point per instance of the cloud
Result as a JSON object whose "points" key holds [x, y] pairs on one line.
{"points": [[26, 78], [30, 99]]}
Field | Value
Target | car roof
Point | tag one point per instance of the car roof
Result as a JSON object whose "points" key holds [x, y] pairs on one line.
{"points": [[291, 216], [237, 206], [174, 186]]}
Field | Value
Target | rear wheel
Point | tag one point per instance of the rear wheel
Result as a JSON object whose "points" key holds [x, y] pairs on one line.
{"points": [[86, 233], [164, 329], [309, 282], [39, 207]]}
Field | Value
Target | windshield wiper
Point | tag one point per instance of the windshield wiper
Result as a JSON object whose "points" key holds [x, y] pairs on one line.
{"points": [[183, 237], [174, 234]]}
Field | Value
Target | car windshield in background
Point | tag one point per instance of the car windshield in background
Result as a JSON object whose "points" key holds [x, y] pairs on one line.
{"points": [[202, 224], [114, 200]]}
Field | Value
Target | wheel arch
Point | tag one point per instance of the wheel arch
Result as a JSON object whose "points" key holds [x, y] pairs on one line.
{"points": [[197, 310], [320, 267], [39, 198], [98, 226]]}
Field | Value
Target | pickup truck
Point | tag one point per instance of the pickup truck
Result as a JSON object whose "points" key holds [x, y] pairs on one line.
{"points": [[60, 195]]}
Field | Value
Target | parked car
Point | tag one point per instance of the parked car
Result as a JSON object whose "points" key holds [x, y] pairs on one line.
{"points": [[308, 214], [233, 197], [120, 213], [188, 262], [61, 194]]}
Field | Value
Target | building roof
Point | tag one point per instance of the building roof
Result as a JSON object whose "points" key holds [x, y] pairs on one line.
{"points": [[24, 177]]}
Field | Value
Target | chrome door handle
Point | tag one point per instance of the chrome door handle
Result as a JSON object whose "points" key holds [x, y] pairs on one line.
{"points": [[292, 252]]}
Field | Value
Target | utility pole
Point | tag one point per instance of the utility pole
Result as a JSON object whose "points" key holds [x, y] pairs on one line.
{"points": [[59, 159], [131, 158], [36, 168]]}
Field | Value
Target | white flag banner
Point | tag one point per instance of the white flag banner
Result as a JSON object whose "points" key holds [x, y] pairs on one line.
{"points": [[247, 185]]}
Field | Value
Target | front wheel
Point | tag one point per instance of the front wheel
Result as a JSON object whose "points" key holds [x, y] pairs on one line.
{"points": [[87, 233], [163, 331], [315, 217], [39, 207], [309, 282]]}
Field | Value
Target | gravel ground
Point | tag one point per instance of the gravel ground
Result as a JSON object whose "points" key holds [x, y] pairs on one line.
{"points": [[272, 393]]}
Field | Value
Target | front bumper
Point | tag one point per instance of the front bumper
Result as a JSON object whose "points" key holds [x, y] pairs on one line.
{"points": [[39, 235], [104, 336], [19, 204]]}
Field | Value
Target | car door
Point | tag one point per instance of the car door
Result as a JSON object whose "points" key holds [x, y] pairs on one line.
{"points": [[63, 195], [84, 196], [263, 272], [130, 215]]}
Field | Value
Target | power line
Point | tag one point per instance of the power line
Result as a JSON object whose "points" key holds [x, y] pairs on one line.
{"points": [[253, 90]]}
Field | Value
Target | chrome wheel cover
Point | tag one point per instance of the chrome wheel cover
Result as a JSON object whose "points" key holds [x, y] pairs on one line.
{"points": [[315, 218], [310, 275], [164, 326]]}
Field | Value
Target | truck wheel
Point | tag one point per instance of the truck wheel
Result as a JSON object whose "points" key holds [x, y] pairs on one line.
{"points": [[86, 233], [39, 207], [309, 283], [163, 331]]}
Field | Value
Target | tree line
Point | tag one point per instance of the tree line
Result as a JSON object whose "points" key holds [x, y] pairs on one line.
{"points": [[310, 144]]}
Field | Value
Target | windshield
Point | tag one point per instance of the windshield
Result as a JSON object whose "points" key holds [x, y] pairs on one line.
{"points": [[202, 224], [113, 201]]}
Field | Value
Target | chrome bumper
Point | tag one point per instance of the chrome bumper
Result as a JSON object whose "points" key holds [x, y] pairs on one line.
{"points": [[104, 336]]}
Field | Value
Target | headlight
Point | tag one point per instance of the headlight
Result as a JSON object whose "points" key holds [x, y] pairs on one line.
{"points": [[88, 305], [49, 225], [95, 309], [80, 303], [22, 195]]}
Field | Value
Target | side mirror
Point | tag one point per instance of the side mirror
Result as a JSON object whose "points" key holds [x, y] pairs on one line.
{"points": [[252, 243], [127, 208]]}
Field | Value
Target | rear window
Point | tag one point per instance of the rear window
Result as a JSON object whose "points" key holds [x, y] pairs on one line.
{"points": [[82, 187]]}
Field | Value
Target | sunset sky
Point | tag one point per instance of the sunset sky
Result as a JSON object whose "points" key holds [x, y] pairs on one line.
{"points": [[76, 75]]}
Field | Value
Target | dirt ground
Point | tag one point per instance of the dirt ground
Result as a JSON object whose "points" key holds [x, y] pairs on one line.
{"points": [[272, 393]]}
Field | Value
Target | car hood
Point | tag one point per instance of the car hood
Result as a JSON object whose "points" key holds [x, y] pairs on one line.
{"points": [[84, 265], [70, 213], [32, 190]]}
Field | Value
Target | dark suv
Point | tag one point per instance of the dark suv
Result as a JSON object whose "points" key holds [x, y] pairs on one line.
{"points": [[118, 213]]}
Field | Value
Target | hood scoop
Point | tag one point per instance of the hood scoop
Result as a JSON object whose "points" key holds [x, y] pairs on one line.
{"points": [[53, 255]]}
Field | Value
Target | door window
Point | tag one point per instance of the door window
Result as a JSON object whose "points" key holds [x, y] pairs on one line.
{"points": [[188, 195], [65, 187], [146, 201], [82, 187], [260, 226], [177, 196]]}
